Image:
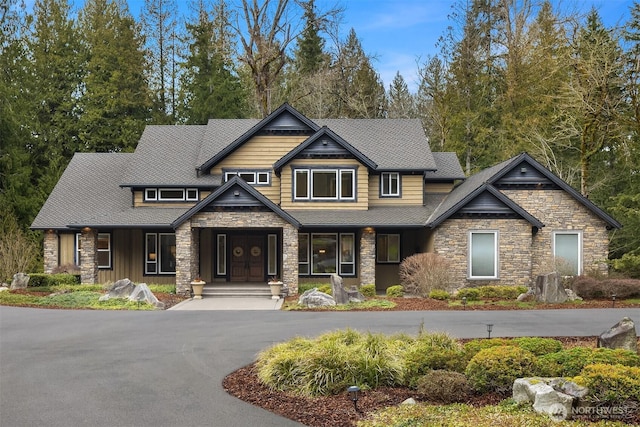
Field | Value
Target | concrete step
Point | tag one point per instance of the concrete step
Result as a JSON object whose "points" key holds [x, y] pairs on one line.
{"points": [[236, 291]]}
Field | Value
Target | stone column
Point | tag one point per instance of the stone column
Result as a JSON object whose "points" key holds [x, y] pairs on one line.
{"points": [[51, 251], [290, 257], [184, 273], [368, 257], [89, 256]]}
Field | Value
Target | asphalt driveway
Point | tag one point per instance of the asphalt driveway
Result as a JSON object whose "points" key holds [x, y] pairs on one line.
{"points": [[136, 369]]}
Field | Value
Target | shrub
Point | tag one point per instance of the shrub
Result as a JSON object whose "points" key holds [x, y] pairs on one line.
{"points": [[593, 288], [303, 287], [473, 347], [628, 265], [396, 291], [42, 279], [368, 290], [326, 289], [444, 386], [569, 363], [502, 292], [439, 294], [472, 294], [432, 351], [538, 346], [495, 369], [424, 272], [19, 249], [610, 384]]}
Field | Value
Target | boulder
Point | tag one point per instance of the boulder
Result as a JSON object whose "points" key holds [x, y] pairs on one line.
{"points": [[120, 289], [621, 335], [4, 287], [551, 396], [340, 295], [549, 289], [20, 281], [142, 293], [530, 295], [572, 295], [355, 295], [313, 298]]}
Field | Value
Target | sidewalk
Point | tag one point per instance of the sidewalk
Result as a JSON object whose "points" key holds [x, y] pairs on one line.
{"points": [[228, 303]]}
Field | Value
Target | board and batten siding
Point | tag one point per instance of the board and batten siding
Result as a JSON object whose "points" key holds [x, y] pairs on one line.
{"points": [[67, 248], [362, 178], [411, 188], [260, 153]]}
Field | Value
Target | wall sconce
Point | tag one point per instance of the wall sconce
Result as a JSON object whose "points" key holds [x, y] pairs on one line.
{"points": [[369, 230], [86, 229], [464, 303], [489, 329], [353, 395]]}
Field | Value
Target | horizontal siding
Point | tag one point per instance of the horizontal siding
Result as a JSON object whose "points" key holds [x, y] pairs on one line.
{"points": [[138, 201], [438, 187], [362, 178], [412, 192]]}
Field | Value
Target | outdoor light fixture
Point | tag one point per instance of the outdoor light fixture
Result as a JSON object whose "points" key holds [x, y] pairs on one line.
{"points": [[353, 395], [613, 301], [464, 303], [489, 329]]}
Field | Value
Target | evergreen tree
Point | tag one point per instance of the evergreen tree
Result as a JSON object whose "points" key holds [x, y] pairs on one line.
{"points": [[401, 102], [116, 101], [209, 86], [432, 102], [309, 56]]}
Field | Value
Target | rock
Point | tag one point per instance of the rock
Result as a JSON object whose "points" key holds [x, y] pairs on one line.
{"points": [[621, 335], [546, 398], [313, 298], [572, 295], [142, 293], [340, 296], [530, 295], [355, 295], [549, 289], [120, 289], [20, 281], [409, 401], [4, 287]]}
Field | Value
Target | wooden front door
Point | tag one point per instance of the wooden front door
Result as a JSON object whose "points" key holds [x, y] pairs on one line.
{"points": [[247, 259]]}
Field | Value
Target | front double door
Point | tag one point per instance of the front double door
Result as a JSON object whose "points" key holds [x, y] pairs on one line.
{"points": [[247, 258]]}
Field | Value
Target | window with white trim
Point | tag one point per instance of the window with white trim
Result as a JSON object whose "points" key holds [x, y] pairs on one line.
{"points": [[160, 253], [483, 255], [324, 184], [388, 248], [326, 253], [567, 252], [221, 259], [390, 184], [251, 177], [103, 250], [170, 194]]}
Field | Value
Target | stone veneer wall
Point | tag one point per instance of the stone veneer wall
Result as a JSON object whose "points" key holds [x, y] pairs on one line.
{"points": [[51, 251], [89, 256], [558, 211], [187, 244], [368, 257], [451, 240]]}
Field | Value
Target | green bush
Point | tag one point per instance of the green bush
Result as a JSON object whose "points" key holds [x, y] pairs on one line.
{"points": [[432, 351], [395, 291], [368, 290], [629, 265], [610, 384], [444, 386], [43, 279], [495, 369], [538, 346], [501, 292], [472, 294], [303, 287], [439, 295], [473, 347], [570, 362], [326, 289]]}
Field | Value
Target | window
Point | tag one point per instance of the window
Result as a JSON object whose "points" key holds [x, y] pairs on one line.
{"points": [[324, 184], [483, 255], [103, 250], [221, 260], [330, 253], [272, 254], [388, 248], [160, 253], [390, 184], [251, 177], [567, 252], [170, 194]]}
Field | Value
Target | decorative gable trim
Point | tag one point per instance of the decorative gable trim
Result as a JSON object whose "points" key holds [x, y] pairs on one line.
{"points": [[506, 177], [486, 200], [285, 118], [238, 194], [324, 144]]}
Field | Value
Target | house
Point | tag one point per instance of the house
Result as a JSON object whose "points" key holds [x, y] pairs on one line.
{"points": [[245, 200]]}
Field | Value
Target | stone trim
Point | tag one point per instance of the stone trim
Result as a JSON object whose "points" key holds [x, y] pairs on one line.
{"points": [[368, 257], [51, 251], [89, 256]]}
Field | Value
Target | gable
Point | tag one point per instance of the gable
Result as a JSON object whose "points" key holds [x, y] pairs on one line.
{"points": [[486, 205], [525, 175], [286, 123]]}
